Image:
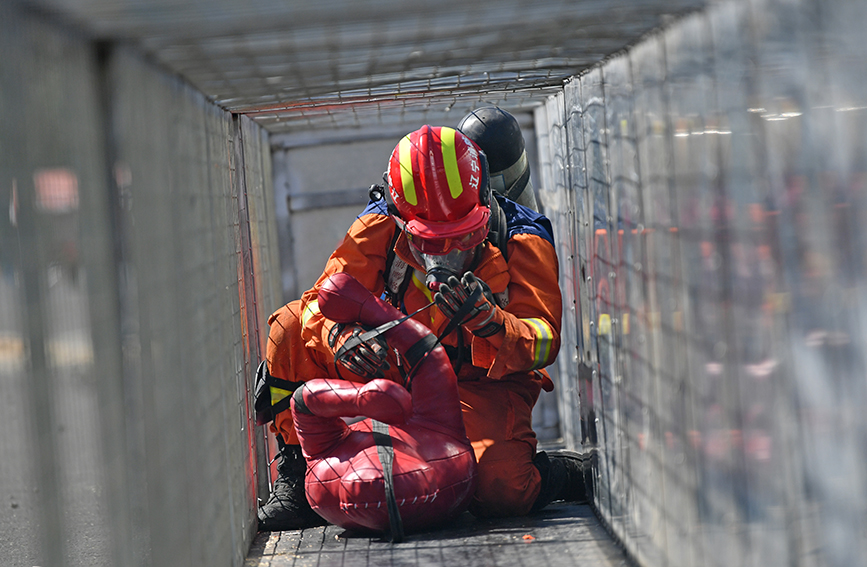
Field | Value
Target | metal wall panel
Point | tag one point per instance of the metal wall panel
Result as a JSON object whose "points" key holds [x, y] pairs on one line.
{"points": [[600, 287], [697, 313], [717, 171], [650, 522], [137, 261], [810, 111], [578, 200], [188, 264], [263, 269], [51, 171], [555, 198]]}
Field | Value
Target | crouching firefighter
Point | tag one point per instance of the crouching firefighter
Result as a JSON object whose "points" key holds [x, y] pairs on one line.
{"points": [[435, 234]]}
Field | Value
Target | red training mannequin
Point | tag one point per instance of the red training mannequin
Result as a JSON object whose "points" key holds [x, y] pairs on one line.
{"points": [[434, 468]]}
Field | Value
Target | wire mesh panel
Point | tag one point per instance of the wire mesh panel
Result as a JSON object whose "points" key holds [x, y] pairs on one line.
{"points": [[651, 523], [127, 438], [642, 486], [723, 160], [557, 200], [581, 246], [188, 264], [262, 269], [54, 507], [700, 316], [811, 115], [600, 280], [740, 257]]}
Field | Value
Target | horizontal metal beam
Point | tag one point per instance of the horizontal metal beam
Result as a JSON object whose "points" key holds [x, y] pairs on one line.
{"points": [[326, 199]]}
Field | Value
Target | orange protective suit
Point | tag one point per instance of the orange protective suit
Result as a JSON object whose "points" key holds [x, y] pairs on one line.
{"points": [[498, 385]]}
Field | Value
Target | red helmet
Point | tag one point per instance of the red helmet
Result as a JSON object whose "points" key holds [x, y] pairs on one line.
{"points": [[438, 185]]}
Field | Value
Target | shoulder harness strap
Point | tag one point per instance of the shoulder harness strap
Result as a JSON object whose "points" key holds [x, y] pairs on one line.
{"points": [[499, 233], [395, 273]]}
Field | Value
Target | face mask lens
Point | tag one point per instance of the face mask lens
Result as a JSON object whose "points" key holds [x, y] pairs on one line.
{"points": [[442, 246]]}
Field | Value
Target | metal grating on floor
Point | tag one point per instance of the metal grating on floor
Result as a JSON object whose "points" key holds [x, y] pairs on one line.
{"points": [[559, 536]]}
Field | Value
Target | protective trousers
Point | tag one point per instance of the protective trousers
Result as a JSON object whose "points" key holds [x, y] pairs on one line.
{"points": [[497, 415]]}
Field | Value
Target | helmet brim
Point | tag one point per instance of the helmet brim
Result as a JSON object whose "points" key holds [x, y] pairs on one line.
{"points": [[474, 221]]}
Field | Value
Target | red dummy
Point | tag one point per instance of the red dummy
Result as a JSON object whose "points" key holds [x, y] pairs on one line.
{"points": [[433, 467]]}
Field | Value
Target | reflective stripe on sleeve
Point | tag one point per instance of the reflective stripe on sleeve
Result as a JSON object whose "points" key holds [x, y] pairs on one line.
{"points": [[544, 340], [310, 310]]}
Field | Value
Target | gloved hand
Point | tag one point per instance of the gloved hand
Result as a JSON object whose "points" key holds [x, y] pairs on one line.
{"points": [[484, 319], [366, 358]]}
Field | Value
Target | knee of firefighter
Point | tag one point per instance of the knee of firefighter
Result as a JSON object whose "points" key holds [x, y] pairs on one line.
{"points": [[506, 487], [284, 337]]}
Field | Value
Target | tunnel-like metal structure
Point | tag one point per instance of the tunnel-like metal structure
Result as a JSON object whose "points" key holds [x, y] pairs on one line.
{"points": [[169, 176]]}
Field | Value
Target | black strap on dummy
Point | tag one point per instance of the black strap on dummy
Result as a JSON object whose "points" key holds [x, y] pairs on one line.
{"points": [[429, 345], [385, 451], [384, 447], [354, 341], [418, 351]]}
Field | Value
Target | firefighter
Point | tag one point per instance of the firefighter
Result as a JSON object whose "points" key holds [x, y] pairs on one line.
{"points": [[497, 133], [435, 235]]}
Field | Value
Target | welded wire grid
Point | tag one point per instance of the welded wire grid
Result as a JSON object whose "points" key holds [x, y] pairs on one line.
{"points": [[124, 326], [336, 64], [717, 174]]}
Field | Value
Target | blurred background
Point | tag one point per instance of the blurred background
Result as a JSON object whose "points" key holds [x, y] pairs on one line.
{"points": [[173, 171]]}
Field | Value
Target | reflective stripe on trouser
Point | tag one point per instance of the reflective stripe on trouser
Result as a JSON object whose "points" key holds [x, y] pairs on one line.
{"points": [[498, 419]]}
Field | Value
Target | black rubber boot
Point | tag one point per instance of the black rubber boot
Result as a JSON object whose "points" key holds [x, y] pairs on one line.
{"points": [[287, 507], [566, 475]]}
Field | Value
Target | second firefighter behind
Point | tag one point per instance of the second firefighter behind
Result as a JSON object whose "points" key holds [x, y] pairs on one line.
{"points": [[437, 234]]}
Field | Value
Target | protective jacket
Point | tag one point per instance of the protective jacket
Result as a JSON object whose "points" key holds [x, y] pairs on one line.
{"points": [[525, 285]]}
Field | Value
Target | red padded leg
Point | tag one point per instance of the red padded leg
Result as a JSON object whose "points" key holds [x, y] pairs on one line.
{"points": [[317, 434], [380, 399]]}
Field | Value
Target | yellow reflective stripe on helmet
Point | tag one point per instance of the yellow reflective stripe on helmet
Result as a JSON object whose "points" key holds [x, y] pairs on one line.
{"points": [[310, 310], [544, 340], [450, 162], [406, 171], [278, 394]]}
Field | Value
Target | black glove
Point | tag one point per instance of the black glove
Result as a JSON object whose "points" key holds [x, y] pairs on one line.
{"points": [[366, 358], [484, 318]]}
